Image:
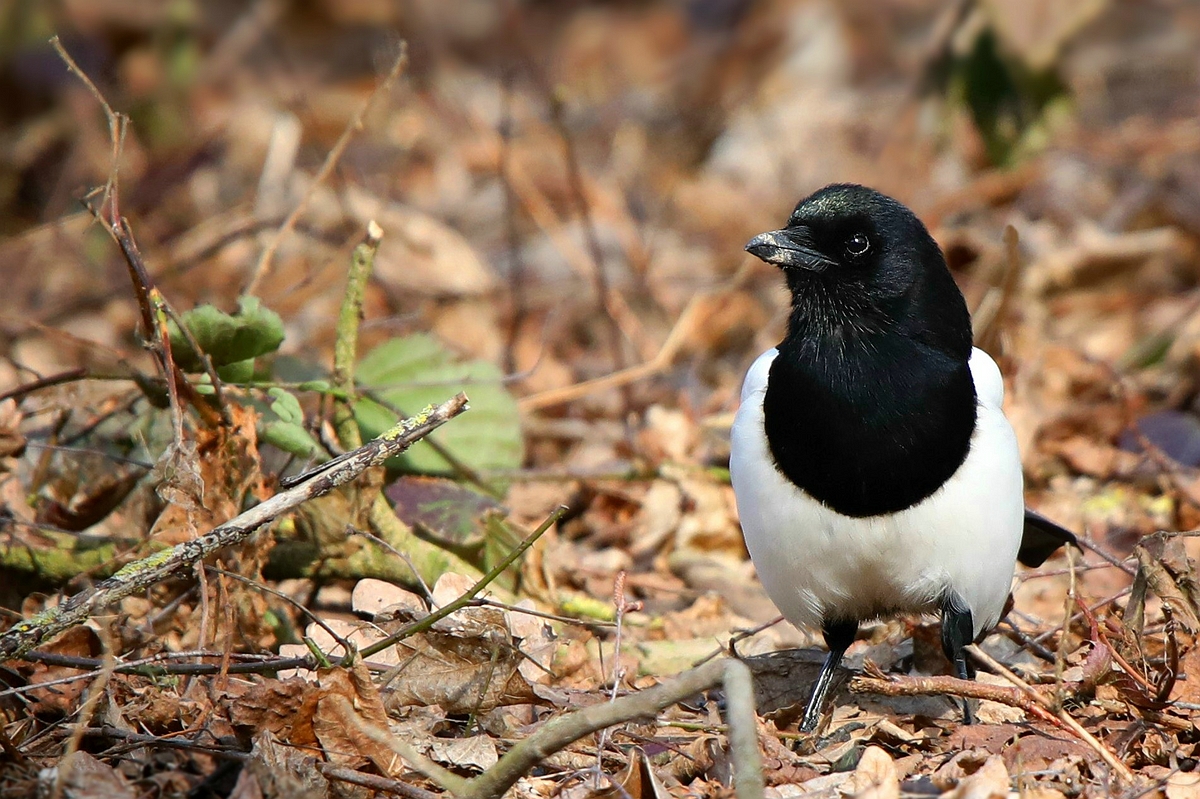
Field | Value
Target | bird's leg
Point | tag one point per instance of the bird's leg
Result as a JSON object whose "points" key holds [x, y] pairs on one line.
{"points": [[958, 630], [838, 637]]}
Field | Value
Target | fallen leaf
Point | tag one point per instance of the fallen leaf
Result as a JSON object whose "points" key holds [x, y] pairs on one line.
{"points": [[477, 752], [89, 778], [990, 781], [1183, 786], [875, 776]]}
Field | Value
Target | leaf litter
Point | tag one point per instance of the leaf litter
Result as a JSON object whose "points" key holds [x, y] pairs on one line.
{"points": [[571, 258]]}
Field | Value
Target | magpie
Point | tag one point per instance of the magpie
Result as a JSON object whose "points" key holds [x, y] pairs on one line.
{"points": [[874, 470]]}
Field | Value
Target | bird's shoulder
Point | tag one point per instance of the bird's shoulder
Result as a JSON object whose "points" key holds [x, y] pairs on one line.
{"points": [[989, 383], [756, 376]]}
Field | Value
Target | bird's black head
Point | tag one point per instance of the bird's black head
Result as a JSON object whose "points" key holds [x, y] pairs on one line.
{"points": [[860, 263]]}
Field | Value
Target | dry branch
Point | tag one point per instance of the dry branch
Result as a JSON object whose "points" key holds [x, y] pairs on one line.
{"points": [[142, 574], [560, 732]]}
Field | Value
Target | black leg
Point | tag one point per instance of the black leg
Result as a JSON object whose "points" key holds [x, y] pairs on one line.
{"points": [[838, 637], [958, 630]]}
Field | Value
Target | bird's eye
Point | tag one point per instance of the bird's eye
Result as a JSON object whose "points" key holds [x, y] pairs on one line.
{"points": [[857, 245]]}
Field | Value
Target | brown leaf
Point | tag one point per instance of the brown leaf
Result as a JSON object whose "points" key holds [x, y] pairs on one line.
{"points": [[62, 698], [990, 781], [1162, 582], [89, 778], [875, 776], [462, 675], [281, 707], [11, 441], [280, 771], [1184, 786], [350, 720]]}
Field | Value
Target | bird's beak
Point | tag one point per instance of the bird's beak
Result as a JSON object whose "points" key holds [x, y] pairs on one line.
{"points": [[789, 247]]}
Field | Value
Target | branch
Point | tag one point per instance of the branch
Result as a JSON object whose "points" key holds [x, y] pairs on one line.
{"points": [[1023, 696], [561, 732], [144, 573], [345, 347]]}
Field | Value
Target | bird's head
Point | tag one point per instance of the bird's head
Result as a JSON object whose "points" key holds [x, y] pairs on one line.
{"points": [[859, 261]]}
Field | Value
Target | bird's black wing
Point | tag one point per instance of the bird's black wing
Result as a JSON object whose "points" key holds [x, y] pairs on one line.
{"points": [[1042, 538]]}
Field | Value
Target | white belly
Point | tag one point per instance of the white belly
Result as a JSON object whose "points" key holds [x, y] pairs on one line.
{"points": [[816, 563]]}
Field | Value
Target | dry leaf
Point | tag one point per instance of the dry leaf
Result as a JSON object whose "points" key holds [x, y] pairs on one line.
{"points": [[378, 597], [462, 675], [990, 781], [1184, 786], [875, 776], [89, 778]]}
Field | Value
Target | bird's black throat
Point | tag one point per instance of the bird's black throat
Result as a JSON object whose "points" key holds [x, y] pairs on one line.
{"points": [[863, 415]]}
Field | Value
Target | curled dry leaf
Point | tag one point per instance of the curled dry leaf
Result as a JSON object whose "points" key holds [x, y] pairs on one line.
{"points": [[348, 710]]}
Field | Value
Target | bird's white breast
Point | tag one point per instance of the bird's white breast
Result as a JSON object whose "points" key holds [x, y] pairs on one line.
{"points": [[816, 563]]}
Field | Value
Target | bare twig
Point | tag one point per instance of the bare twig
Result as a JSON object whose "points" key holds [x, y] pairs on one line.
{"points": [[1060, 715], [469, 595], [666, 356], [621, 606], [142, 574], [604, 289], [560, 732], [263, 267], [743, 730], [57, 379], [116, 127], [374, 782], [95, 692]]}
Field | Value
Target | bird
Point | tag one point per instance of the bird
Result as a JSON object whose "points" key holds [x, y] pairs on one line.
{"points": [[874, 471]]}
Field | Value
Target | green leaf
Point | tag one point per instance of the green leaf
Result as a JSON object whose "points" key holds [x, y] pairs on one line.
{"points": [[414, 371], [286, 406], [227, 338], [290, 437], [286, 431]]}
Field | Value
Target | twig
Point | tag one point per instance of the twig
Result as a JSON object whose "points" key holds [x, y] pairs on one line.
{"points": [[604, 291], [560, 732], [116, 126], [989, 317], [258, 585], [137, 740], [469, 595], [374, 782], [665, 357], [142, 574], [56, 379], [263, 267], [1062, 716], [621, 606], [1060, 658], [743, 730], [153, 305], [95, 692], [345, 346]]}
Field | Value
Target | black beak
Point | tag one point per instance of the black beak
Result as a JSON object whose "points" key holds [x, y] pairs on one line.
{"points": [[790, 247]]}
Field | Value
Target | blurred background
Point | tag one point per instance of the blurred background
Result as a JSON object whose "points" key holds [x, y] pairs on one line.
{"points": [[565, 189]]}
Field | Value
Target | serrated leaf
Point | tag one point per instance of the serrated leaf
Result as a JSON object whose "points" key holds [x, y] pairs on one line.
{"points": [[227, 338], [414, 371]]}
